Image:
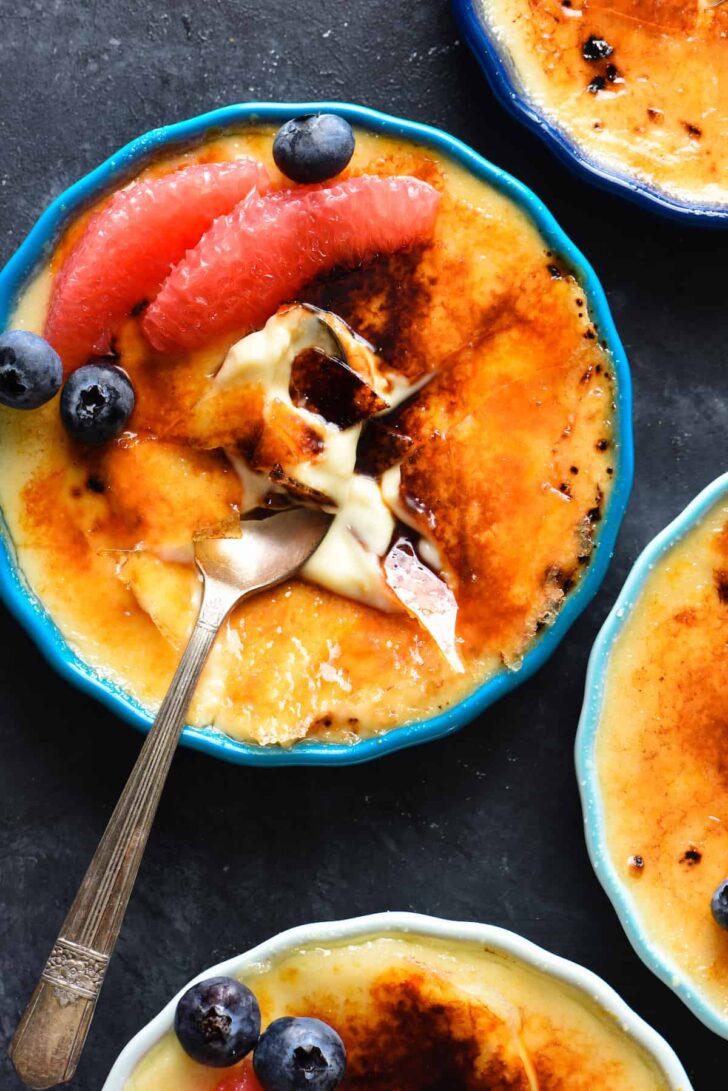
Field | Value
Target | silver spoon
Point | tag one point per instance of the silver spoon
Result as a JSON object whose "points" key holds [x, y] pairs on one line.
{"points": [[50, 1036]]}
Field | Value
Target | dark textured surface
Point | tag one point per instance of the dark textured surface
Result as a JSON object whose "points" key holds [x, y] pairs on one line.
{"points": [[483, 826]]}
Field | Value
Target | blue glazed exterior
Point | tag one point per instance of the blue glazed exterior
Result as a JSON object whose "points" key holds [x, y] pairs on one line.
{"points": [[30, 612], [586, 761], [504, 82]]}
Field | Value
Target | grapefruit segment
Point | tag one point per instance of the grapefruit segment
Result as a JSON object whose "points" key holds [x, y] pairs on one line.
{"points": [[130, 245], [264, 252], [243, 1079]]}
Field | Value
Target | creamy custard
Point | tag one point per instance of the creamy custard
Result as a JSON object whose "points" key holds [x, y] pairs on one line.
{"points": [[661, 756], [509, 441], [648, 100], [412, 1011]]}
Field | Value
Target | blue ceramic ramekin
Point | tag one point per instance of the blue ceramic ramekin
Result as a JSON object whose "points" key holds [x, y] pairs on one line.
{"points": [[586, 759], [505, 83], [30, 612]]}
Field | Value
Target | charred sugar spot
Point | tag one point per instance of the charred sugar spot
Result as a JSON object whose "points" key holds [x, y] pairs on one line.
{"points": [[598, 369], [598, 125], [720, 575], [573, 469], [594, 514], [590, 335], [611, 72], [94, 483], [610, 470], [692, 130], [596, 49], [597, 84], [686, 617], [565, 488], [384, 301], [636, 864], [352, 720], [555, 271], [586, 377], [602, 445], [655, 115], [560, 578], [691, 857], [76, 491]]}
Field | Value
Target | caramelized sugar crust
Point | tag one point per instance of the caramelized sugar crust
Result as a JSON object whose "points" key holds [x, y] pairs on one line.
{"points": [[663, 755], [654, 103], [423, 1015], [509, 443]]}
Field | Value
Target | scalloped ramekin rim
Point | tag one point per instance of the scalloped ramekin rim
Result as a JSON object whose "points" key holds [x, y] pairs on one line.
{"points": [[415, 924], [29, 611], [504, 84], [586, 765]]}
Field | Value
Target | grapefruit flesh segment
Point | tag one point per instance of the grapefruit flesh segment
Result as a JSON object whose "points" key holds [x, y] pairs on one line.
{"points": [[242, 1079], [130, 245], [265, 251]]}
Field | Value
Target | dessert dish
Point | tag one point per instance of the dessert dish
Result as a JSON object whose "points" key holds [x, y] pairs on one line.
{"points": [[651, 756], [399, 343], [397, 1001], [628, 91]]}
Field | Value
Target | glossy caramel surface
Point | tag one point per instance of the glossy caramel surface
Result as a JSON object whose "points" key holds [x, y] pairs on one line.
{"points": [[510, 443], [417, 1015], [654, 108], [662, 756]]}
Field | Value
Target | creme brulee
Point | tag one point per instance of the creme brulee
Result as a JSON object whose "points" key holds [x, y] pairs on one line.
{"points": [[413, 1010], [639, 86], [660, 756], [500, 461]]}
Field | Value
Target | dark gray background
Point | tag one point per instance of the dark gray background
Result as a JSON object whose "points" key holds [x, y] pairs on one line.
{"points": [[484, 826]]}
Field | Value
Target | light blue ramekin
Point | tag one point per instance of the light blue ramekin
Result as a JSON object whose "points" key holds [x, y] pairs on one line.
{"points": [[30, 612], [504, 80], [586, 760]]}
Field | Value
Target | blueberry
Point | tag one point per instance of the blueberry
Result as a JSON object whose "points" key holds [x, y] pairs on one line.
{"points": [[217, 1021], [314, 147], [30, 370], [299, 1053], [719, 905], [96, 402]]}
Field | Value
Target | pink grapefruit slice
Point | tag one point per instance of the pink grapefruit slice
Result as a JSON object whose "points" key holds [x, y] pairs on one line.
{"points": [[263, 253], [130, 245]]}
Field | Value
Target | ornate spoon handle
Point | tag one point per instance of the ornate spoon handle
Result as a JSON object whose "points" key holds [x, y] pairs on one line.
{"points": [[50, 1036]]}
